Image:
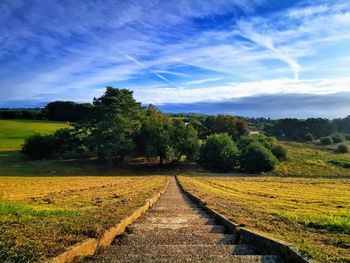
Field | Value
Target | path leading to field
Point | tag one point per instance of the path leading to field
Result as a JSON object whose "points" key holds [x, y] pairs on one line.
{"points": [[177, 230]]}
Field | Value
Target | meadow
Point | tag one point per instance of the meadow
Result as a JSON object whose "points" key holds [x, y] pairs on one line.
{"points": [[14, 132], [313, 161], [310, 213]]}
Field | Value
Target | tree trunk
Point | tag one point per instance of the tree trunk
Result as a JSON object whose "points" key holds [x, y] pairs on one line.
{"points": [[161, 160]]}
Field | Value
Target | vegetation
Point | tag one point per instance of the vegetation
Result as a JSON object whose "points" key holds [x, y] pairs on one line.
{"points": [[300, 129], [279, 152], [256, 159], [309, 213], [219, 153], [29, 114], [309, 137], [67, 111], [337, 138], [41, 216], [326, 141], [342, 148]]}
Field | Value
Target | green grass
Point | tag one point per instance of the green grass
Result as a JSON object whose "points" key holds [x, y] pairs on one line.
{"points": [[25, 211], [310, 160], [14, 132]]}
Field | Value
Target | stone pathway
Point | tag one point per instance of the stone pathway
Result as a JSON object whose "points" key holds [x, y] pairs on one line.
{"points": [[177, 230]]}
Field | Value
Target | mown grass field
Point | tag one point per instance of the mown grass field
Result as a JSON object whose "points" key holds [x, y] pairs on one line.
{"points": [[14, 132], [40, 216], [313, 214]]}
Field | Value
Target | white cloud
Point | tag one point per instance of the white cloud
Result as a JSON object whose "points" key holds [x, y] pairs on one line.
{"points": [[244, 89], [201, 81]]}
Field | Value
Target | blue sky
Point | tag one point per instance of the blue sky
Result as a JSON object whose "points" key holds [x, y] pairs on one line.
{"points": [[269, 58]]}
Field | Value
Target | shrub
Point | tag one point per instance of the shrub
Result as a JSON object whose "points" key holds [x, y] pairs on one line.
{"points": [[326, 140], [245, 141], [219, 153], [279, 152], [337, 138], [63, 143], [257, 159], [347, 137], [342, 148], [308, 137], [39, 146]]}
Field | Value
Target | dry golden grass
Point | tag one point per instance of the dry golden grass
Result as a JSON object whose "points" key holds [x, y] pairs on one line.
{"points": [[313, 214], [41, 216]]}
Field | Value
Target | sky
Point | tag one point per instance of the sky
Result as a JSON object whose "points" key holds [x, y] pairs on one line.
{"points": [[254, 58]]}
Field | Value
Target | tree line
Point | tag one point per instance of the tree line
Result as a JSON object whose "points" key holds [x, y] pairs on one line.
{"points": [[116, 127]]}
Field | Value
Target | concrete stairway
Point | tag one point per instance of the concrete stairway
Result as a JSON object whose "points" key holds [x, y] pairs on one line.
{"points": [[176, 230]]}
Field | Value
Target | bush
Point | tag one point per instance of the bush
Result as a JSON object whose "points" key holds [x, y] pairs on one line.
{"points": [[337, 138], [342, 148], [308, 137], [39, 147], [326, 140], [245, 141], [279, 152], [219, 153], [347, 137], [64, 143], [257, 159]]}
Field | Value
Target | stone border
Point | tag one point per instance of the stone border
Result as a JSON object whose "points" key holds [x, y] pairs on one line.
{"points": [[91, 246], [265, 245]]}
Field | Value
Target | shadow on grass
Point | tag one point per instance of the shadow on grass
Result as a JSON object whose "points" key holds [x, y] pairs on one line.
{"points": [[13, 163]]}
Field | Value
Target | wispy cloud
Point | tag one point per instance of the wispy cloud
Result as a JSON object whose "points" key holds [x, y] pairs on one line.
{"points": [[266, 41], [201, 81]]}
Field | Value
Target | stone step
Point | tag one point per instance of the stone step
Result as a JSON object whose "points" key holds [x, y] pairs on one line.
{"points": [[179, 227], [169, 237], [172, 212], [183, 249], [177, 209], [176, 220], [214, 258]]}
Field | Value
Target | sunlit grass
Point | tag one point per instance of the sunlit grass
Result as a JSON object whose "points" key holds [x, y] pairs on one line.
{"points": [[14, 132], [312, 213], [41, 216], [309, 160]]}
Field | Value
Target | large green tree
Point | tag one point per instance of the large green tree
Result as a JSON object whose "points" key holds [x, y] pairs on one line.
{"points": [[185, 141], [155, 136], [231, 125], [116, 120]]}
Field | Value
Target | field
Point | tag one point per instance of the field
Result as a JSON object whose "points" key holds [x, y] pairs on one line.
{"points": [[313, 161], [14, 132], [310, 213], [41, 213], [46, 206], [40, 216]]}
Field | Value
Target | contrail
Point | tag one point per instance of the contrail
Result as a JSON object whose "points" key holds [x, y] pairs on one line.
{"points": [[155, 72]]}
